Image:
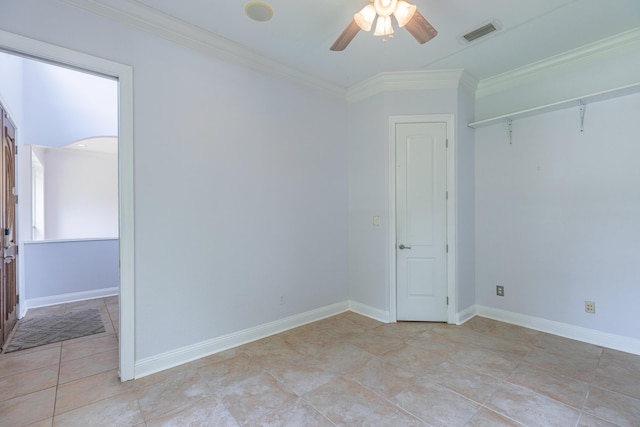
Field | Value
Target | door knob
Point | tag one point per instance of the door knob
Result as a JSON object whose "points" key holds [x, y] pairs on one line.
{"points": [[404, 247]]}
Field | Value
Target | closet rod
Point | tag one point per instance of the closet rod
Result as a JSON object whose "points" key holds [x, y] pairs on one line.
{"points": [[574, 102]]}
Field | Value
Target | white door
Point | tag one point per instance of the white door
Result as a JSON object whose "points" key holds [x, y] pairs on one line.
{"points": [[421, 221]]}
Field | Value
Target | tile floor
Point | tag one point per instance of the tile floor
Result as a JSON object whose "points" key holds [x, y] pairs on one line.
{"points": [[344, 370]]}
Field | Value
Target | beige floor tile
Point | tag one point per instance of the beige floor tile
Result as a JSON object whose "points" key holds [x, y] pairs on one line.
{"points": [[295, 413], [613, 407], [301, 375], [270, 351], [120, 410], [113, 299], [619, 372], [513, 333], [85, 304], [459, 334], [487, 418], [486, 361], [27, 409], [203, 413], [531, 408], [341, 367], [566, 347], [564, 389], [28, 382], [360, 320], [378, 345], [44, 423], [344, 401], [342, 357], [77, 350], [588, 420], [229, 371], [463, 380], [87, 366], [255, 397], [85, 391], [480, 324], [434, 343], [214, 358], [402, 329], [143, 383], [505, 346], [389, 415], [436, 404], [581, 368], [18, 362], [383, 377], [174, 393], [415, 359]]}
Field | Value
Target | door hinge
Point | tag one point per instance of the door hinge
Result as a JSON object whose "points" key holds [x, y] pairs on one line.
{"points": [[447, 300], [446, 145], [447, 248], [447, 195], [17, 299]]}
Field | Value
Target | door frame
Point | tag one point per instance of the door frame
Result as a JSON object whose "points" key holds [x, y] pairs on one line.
{"points": [[449, 119], [23, 46]]}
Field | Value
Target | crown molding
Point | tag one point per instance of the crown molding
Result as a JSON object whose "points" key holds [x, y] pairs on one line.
{"points": [[620, 44], [152, 21], [411, 80]]}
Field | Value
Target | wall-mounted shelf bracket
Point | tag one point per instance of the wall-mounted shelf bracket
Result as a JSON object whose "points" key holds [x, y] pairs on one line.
{"points": [[510, 129], [582, 100], [583, 110]]}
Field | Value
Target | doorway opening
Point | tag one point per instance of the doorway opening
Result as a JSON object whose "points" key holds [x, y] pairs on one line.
{"points": [[45, 53]]}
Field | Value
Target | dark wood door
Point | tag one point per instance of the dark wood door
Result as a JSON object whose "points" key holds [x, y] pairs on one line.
{"points": [[8, 230]]}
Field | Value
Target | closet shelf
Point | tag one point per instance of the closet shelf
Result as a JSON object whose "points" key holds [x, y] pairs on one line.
{"points": [[574, 102]]}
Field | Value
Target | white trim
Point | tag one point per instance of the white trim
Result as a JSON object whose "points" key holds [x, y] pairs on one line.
{"points": [[626, 42], [449, 119], [410, 80], [124, 74], [91, 239], [554, 106], [152, 21], [368, 311], [604, 339], [71, 297], [466, 315], [170, 359]]}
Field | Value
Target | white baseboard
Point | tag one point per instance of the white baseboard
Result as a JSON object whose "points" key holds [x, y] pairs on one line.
{"points": [[170, 359], [71, 297], [466, 314], [603, 339], [372, 312]]}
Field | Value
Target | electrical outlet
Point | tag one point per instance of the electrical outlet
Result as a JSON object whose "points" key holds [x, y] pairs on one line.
{"points": [[282, 299], [590, 307], [500, 290]]}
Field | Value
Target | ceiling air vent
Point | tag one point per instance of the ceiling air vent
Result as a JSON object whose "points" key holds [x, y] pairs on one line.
{"points": [[480, 32]]}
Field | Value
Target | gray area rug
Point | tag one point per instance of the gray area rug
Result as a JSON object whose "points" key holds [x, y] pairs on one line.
{"points": [[44, 330]]}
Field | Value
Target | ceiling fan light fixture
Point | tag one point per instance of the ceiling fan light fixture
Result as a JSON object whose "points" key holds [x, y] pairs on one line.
{"points": [[404, 12], [365, 17], [385, 7], [383, 26]]}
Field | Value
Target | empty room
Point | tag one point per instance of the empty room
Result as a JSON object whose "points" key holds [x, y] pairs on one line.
{"points": [[338, 213]]}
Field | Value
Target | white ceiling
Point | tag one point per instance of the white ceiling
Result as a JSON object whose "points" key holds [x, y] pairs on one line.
{"points": [[301, 31]]}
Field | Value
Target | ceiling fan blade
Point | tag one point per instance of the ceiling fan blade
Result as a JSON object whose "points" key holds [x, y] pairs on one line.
{"points": [[347, 35], [420, 28]]}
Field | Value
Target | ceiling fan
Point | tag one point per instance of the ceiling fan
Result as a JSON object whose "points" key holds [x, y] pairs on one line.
{"points": [[406, 16]]}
